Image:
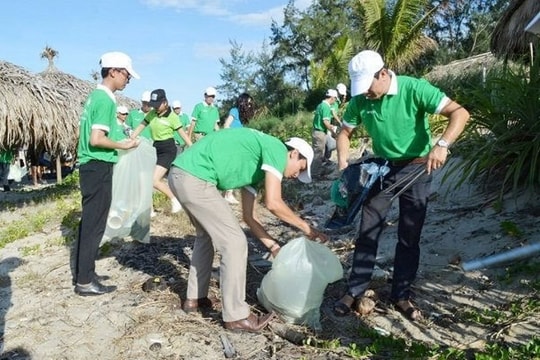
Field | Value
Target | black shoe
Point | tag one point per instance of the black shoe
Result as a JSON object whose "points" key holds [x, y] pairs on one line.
{"points": [[93, 289], [97, 278]]}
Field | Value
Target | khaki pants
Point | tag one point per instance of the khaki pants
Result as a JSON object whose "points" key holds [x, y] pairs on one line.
{"points": [[217, 227], [318, 140]]}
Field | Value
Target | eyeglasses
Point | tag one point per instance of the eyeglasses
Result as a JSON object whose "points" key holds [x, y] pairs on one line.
{"points": [[123, 113], [125, 73], [212, 96]]}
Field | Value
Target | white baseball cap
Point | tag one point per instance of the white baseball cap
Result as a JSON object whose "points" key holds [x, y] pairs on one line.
{"points": [[331, 93], [307, 151], [146, 96], [116, 59], [362, 68], [210, 91], [122, 109], [176, 104], [341, 89]]}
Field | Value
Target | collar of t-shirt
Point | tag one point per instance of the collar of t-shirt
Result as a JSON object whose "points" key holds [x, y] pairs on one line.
{"points": [[107, 90], [393, 89]]}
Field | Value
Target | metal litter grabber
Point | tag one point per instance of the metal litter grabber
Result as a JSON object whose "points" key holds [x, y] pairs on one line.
{"points": [[411, 178]]}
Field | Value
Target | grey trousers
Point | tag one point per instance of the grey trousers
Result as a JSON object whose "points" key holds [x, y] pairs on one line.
{"points": [[217, 228]]}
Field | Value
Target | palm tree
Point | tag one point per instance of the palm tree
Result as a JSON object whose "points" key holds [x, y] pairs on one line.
{"points": [[49, 53], [333, 69], [394, 29]]}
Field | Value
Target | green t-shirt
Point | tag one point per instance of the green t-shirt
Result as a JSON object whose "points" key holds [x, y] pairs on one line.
{"points": [[323, 112], [234, 158], [119, 132], [99, 112], [205, 117], [134, 118], [162, 127], [6, 156], [398, 122], [185, 121]]}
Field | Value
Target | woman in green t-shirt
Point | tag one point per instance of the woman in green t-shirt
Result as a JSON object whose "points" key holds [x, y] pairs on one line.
{"points": [[163, 122]]}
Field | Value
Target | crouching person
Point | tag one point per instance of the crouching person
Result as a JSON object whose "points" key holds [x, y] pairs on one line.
{"points": [[237, 158]]}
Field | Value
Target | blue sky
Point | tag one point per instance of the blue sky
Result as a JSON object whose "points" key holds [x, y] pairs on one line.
{"points": [[174, 44]]}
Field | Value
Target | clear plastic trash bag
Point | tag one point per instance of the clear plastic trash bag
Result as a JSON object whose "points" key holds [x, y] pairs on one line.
{"points": [[132, 188], [17, 172], [295, 285]]}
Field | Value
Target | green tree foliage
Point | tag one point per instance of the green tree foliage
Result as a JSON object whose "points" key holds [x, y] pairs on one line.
{"points": [[275, 95], [395, 29], [311, 36], [463, 28], [238, 75], [332, 69], [309, 52]]}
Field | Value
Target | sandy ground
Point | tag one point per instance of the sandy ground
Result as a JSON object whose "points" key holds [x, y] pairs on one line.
{"points": [[42, 318]]}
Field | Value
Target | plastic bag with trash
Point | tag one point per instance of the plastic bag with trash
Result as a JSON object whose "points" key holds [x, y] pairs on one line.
{"points": [[295, 285], [351, 189], [132, 188]]}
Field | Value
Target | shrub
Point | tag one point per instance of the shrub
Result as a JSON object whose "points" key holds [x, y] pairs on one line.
{"points": [[502, 141]]}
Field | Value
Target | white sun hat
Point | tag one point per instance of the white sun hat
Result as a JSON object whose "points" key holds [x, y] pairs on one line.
{"points": [[117, 59], [362, 69], [307, 151]]}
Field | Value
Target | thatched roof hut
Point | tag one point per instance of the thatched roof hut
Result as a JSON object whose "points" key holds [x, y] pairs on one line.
{"points": [[34, 111], [462, 68], [509, 39], [43, 110]]}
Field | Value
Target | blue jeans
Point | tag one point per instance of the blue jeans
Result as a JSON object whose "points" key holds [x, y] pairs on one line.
{"points": [[412, 212]]}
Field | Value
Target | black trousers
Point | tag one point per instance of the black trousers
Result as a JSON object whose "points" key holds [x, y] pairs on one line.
{"points": [[96, 189], [412, 212]]}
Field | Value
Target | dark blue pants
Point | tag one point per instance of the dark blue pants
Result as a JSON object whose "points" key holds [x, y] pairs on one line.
{"points": [[412, 213], [96, 189]]}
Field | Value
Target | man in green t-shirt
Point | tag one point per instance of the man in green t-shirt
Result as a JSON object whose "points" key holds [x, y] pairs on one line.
{"points": [[322, 123], [136, 116], [230, 159], [184, 119], [97, 155], [205, 116], [394, 111]]}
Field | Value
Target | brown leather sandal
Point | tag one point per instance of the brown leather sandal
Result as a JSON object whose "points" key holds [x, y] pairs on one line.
{"points": [[407, 309]]}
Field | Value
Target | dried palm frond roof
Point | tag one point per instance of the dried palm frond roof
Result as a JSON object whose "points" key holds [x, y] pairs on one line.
{"points": [[509, 39], [462, 67], [34, 112], [43, 110], [80, 88]]}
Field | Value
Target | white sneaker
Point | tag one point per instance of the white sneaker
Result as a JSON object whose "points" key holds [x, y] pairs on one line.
{"points": [[229, 197], [176, 206]]}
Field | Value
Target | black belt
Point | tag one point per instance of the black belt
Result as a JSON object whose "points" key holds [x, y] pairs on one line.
{"points": [[405, 162], [200, 132]]}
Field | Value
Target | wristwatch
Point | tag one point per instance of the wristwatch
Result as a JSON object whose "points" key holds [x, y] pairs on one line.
{"points": [[443, 143]]}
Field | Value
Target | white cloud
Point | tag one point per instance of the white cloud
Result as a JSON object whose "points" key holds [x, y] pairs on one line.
{"points": [[222, 8], [211, 51], [261, 19], [303, 4], [207, 7]]}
